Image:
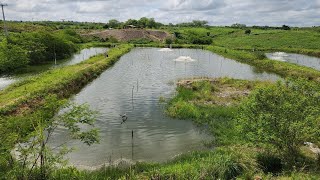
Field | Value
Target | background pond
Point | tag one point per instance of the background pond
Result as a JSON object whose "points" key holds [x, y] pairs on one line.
{"points": [[300, 59], [6, 80]]}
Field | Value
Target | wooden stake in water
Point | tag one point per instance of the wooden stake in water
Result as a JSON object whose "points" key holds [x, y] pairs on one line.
{"points": [[132, 97], [137, 85], [132, 144], [55, 54]]}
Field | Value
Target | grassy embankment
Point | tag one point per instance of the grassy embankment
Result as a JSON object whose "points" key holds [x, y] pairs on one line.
{"points": [[213, 103]]}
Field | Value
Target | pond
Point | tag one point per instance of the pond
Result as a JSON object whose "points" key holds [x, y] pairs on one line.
{"points": [[148, 74], [6, 80], [299, 59]]}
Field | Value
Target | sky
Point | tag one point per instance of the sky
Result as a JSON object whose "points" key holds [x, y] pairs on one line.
{"points": [[216, 12]]}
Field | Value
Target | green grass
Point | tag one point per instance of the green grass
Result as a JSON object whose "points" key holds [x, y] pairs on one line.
{"points": [[200, 101], [270, 39], [223, 163]]}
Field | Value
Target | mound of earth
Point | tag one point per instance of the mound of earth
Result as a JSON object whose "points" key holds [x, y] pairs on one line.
{"points": [[129, 34]]}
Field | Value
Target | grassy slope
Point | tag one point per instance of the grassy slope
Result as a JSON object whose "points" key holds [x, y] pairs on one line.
{"points": [[271, 39], [298, 40]]}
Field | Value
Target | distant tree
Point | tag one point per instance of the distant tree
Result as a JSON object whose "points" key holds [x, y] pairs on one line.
{"points": [[198, 23], [285, 27], [113, 23], [152, 23], [168, 41], [143, 22], [131, 22], [237, 25], [106, 26]]}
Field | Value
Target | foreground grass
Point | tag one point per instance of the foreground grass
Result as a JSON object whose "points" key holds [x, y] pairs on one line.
{"points": [[221, 163]]}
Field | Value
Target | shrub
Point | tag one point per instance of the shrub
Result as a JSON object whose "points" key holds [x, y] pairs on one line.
{"points": [[269, 163], [248, 31], [168, 41], [12, 57], [282, 116]]}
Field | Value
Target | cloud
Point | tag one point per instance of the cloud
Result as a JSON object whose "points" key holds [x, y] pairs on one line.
{"points": [[216, 12]]}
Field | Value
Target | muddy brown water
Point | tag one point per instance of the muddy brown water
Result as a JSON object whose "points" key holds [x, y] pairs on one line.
{"points": [[150, 75]]}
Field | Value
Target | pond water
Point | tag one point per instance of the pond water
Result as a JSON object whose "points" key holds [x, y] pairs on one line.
{"points": [[300, 59], [6, 80], [149, 74]]}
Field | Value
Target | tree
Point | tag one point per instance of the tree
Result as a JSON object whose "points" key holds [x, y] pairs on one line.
{"points": [[35, 156], [131, 22], [248, 31], [113, 23], [282, 116], [285, 27], [198, 23], [151, 23], [12, 56], [237, 25], [143, 22]]}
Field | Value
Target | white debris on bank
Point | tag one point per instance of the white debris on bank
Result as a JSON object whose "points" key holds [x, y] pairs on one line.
{"points": [[165, 50], [184, 59], [283, 54], [314, 148], [280, 56], [120, 163]]}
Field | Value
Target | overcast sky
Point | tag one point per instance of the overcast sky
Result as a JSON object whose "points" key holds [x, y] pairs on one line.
{"points": [[216, 12]]}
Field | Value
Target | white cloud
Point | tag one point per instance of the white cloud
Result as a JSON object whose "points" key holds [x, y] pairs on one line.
{"points": [[217, 12]]}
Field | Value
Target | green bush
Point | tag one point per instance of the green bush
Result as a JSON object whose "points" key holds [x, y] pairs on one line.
{"points": [[168, 41], [269, 163], [282, 116], [37, 47], [12, 57]]}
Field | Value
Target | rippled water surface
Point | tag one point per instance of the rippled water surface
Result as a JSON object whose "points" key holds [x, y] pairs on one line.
{"points": [[84, 54], [300, 59], [149, 74]]}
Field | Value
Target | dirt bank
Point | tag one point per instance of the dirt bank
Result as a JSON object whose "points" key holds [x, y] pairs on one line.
{"points": [[129, 34]]}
